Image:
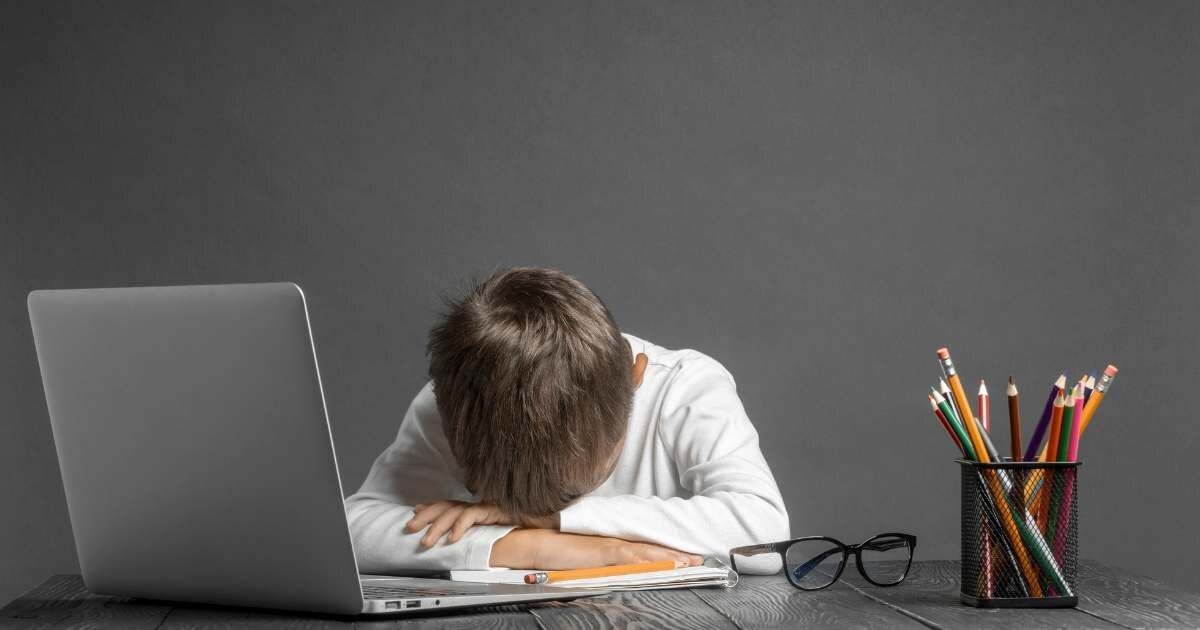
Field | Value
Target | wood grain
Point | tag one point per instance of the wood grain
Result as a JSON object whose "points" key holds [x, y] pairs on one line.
{"points": [[769, 601], [1135, 601], [931, 593], [187, 617], [513, 617], [63, 602], [676, 608], [1109, 598]]}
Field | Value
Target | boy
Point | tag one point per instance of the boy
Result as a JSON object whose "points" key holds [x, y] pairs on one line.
{"points": [[549, 440]]}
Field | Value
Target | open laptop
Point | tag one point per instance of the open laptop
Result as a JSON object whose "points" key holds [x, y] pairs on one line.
{"points": [[196, 454]]}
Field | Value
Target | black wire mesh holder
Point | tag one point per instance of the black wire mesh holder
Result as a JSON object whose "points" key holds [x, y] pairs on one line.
{"points": [[1019, 534]]}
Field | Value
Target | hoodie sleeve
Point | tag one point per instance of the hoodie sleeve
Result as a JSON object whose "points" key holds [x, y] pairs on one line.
{"points": [[417, 468], [734, 499]]}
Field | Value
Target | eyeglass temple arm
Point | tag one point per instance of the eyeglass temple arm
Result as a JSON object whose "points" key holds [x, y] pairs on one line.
{"points": [[751, 550]]}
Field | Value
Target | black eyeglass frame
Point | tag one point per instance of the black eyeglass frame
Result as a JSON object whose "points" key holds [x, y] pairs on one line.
{"points": [[782, 546]]}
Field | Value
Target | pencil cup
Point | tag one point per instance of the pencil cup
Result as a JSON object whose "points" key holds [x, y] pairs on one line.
{"points": [[1019, 534]]}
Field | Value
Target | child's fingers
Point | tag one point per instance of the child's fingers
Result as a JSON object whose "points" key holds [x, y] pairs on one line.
{"points": [[425, 514], [441, 525], [470, 516]]}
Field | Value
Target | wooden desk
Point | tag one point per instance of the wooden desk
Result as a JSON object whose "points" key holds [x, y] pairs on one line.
{"points": [[1109, 598]]}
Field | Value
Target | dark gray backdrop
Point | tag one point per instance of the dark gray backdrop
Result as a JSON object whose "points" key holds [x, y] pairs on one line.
{"points": [[819, 195]]}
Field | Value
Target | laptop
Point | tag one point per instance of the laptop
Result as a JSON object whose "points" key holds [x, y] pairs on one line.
{"points": [[197, 458]]}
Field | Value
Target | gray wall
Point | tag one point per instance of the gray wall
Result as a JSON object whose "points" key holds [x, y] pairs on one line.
{"points": [[819, 195]]}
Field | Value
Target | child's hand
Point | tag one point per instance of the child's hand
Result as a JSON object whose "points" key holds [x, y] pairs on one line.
{"points": [[455, 517]]}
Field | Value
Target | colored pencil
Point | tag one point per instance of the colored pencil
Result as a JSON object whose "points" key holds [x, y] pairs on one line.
{"points": [[964, 440], [1049, 453], [1039, 431], [1014, 419], [1076, 430], [944, 390], [1064, 433], [1060, 537], [1089, 387], [1058, 453], [985, 412], [1042, 498], [946, 425]]}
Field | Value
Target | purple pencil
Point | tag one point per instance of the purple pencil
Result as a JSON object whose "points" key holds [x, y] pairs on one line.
{"points": [[1040, 431]]}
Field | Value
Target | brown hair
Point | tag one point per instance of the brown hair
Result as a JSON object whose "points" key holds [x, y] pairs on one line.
{"points": [[534, 384]]}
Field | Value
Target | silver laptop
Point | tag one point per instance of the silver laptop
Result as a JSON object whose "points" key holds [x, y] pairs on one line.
{"points": [[197, 458]]}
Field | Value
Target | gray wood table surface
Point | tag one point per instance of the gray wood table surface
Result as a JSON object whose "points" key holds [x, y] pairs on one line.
{"points": [[1109, 598]]}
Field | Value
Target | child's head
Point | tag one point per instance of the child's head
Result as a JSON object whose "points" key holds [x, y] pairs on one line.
{"points": [[534, 384]]}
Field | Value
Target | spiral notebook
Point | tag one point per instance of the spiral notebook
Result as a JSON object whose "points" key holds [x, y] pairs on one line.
{"points": [[712, 573]]}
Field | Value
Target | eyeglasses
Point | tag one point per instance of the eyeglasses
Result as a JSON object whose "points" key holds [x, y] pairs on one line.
{"points": [[814, 562]]}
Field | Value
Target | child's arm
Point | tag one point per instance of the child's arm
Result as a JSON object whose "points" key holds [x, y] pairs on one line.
{"points": [[553, 550], [417, 468], [734, 499]]}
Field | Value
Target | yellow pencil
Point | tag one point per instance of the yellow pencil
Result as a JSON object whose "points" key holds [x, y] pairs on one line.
{"points": [[964, 407], [1093, 402], [549, 577]]}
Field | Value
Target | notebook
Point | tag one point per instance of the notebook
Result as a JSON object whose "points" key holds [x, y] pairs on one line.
{"points": [[712, 573]]}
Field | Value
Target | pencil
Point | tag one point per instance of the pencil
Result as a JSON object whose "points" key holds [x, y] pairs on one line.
{"points": [[1057, 500], [963, 439], [944, 389], [1060, 536], [1014, 419], [1089, 387], [946, 425], [1043, 498], [550, 577], [1064, 433], [1089, 410], [1076, 430], [964, 408], [1051, 450], [1039, 431], [985, 414]]}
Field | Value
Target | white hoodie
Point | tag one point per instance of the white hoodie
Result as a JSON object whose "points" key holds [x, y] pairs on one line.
{"points": [[690, 476]]}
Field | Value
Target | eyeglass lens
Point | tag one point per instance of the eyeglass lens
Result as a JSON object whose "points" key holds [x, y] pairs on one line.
{"points": [[885, 559], [812, 564]]}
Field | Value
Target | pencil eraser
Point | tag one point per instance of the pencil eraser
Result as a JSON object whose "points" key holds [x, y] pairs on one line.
{"points": [[1110, 371], [944, 353]]}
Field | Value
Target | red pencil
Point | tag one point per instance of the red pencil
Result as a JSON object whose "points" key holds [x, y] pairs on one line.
{"points": [[985, 414], [946, 425]]}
